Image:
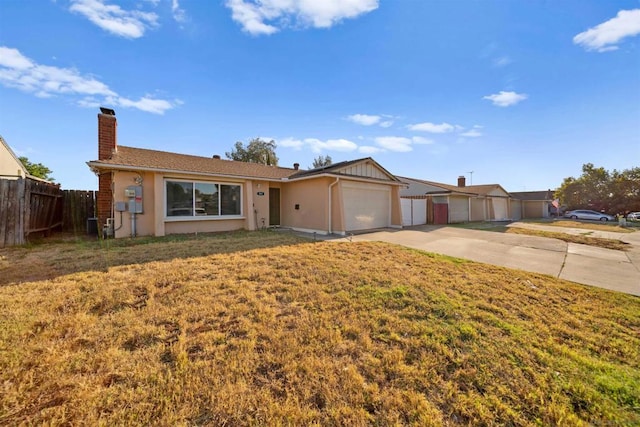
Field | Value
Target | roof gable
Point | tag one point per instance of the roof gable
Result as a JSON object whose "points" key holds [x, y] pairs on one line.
{"points": [[360, 168], [10, 164]]}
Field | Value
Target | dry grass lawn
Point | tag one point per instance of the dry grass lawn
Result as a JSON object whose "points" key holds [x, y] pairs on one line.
{"points": [[572, 238], [569, 223], [266, 329]]}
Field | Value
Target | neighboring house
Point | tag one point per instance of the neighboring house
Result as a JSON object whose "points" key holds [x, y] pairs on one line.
{"points": [[148, 192], [10, 166], [447, 204], [535, 204]]}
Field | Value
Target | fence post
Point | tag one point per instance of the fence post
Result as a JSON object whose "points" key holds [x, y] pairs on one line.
{"points": [[24, 210]]}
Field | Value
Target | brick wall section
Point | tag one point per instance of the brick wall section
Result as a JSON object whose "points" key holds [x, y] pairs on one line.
{"points": [[104, 199], [107, 126]]}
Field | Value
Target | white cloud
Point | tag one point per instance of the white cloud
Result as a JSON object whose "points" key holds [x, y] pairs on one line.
{"points": [[20, 72], [473, 132], [179, 14], [296, 144], [368, 149], [432, 127], [394, 143], [502, 61], [421, 140], [371, 119], [505, 99], [269, 16], [364, 119], [146, 103], [112, 18], [605, 36], [317, 145]]}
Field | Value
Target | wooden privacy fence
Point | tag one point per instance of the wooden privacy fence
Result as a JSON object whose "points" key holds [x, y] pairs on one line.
{"points": [[28, 206], [77, 207]]}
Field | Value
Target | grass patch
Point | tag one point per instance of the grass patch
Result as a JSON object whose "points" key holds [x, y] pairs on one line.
{"points": [[567, 223], [268, 329], [583, 238]]}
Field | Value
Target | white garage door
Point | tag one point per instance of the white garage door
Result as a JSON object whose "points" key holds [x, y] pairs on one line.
{"points": [[366, 206], [414, 211], [500, 209]]}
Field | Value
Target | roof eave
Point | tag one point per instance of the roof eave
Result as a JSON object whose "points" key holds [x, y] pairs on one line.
{"points": [[96, 166]]}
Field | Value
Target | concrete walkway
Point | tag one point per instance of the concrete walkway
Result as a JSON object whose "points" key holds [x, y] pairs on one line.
{"points": [[589, 265]]}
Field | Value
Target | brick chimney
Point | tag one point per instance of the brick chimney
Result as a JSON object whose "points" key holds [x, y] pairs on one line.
{"points": [[106, 147], [462, 181], [106, 133], [296, 166]]}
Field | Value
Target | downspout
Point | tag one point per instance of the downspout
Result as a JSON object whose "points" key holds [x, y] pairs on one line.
{"points": [[331, 185]]}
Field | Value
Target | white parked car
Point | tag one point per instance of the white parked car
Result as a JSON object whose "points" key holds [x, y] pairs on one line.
{"points": [[587, 214], [634, 216]]}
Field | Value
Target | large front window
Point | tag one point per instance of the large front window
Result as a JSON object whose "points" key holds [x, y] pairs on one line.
{"points": [[203, 199]]}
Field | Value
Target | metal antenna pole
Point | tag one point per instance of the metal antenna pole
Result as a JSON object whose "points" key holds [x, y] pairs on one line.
{"points": [[470, 177]]}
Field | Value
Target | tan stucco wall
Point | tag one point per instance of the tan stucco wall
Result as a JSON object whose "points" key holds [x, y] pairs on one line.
{"points": [[312, 197], [153, 222], [145, 221], [9, 166], [204, 226], [261, 203], [498, 192], [458, 209], [396, 207]]}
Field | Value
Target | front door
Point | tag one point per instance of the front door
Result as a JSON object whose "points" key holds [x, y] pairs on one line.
{"points": [[274, 206]]}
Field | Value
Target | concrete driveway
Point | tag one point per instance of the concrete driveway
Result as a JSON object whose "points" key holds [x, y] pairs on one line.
{"points": [[589, 265]]}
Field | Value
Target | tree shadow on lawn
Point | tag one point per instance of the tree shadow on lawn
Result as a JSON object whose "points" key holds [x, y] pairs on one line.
{"points": [[66, 254]]}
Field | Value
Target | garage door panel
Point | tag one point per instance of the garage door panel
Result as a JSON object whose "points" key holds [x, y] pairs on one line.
{"points": [[366, 206]]}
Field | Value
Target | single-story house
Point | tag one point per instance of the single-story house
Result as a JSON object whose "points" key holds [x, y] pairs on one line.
{"points": [[149, 192], [535, 204], [10, 166], [448, 204]]}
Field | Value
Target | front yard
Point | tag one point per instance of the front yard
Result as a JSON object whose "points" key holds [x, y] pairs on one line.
{"points": [[264, 328], [584, 238]]}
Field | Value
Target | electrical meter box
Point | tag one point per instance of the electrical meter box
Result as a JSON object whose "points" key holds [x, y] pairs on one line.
{"points": [[134, 193]]}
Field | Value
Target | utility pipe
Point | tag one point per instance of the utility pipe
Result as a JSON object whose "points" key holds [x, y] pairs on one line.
{"points": [[331, 185]]}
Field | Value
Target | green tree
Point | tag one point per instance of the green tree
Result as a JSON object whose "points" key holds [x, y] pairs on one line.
{"points": [[257, 151], [601, 190], [37, 169], [321, 161]]}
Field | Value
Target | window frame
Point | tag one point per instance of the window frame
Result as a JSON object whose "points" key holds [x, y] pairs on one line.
{"points": [[195, 217]]}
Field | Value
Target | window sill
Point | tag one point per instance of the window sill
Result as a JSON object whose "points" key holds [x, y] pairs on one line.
{"points": [[202, 218]]}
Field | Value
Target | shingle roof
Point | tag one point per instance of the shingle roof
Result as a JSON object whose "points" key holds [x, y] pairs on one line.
{"points": [[141, 158], [532, 195], [480, 190]]}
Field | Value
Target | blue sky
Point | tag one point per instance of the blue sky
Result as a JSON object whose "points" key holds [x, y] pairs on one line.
{"points": [[522, 93]]}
